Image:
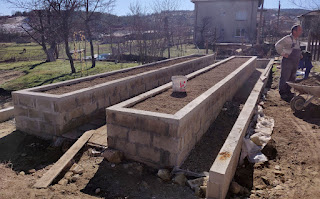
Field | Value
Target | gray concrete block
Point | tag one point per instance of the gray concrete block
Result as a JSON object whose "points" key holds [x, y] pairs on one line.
{"points": [[27, 101], [116, 131], [148, 153], [44, 105], [140, 137], [6, 114], [166, 143]]}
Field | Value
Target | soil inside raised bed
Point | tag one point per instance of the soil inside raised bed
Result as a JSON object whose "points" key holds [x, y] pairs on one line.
{"points": [[311, 81], [170, 102], [100, 80]]}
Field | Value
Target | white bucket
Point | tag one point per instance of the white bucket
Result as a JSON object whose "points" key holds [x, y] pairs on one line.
{"points": [[179, 83]]}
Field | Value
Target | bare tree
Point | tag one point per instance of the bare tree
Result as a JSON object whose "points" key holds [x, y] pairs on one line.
{"points": [[204, 30], [41, 25], [138, 26], [91, 7], [164, 8], [307, 4], [64, 10]]}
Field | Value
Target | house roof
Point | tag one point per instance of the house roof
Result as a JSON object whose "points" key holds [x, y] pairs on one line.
{"points": [[311, 13]]}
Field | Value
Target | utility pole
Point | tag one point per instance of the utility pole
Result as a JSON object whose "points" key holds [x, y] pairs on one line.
{"points": [[260, 23], [278, 16]]}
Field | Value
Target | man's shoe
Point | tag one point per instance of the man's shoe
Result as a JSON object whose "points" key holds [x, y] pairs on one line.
{"points": [[286, 97]]}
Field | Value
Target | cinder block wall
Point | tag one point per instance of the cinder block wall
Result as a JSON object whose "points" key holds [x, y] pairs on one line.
{"points": [[48, 115], [162, 140]]}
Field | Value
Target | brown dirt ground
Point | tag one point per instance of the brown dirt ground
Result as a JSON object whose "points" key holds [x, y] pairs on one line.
{"points": [[294, 148], [7, 75], [5, 101], [101, 80], [20, 152], [195, 87]]}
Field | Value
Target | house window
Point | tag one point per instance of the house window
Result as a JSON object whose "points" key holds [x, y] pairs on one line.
{"points": [[241, 15], [240, 32]]}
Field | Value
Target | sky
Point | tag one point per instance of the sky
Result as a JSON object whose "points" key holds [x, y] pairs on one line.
{"points": [[122, 6]]}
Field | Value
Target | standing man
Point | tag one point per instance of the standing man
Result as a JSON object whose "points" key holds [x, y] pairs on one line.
{"points": [[289, 48]]}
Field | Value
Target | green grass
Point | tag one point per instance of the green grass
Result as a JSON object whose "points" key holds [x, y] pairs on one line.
{"points": [[15, 51], [39, 73], [187, 49]]}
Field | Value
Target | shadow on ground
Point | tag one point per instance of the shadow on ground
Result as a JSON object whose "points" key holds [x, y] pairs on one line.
{"points": [[311, 114], [38, 64], [24, 152], [135, 181]]}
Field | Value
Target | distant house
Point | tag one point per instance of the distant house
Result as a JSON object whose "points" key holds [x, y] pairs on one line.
{"points": [[231, 21], [308, 20]]}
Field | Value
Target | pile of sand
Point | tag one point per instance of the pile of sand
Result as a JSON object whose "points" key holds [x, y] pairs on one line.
{"points": [[311, 81]]}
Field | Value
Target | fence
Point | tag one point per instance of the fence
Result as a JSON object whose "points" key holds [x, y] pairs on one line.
{"points": [[314, 46]]}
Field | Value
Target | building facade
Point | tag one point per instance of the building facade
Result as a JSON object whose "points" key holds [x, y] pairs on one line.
{"points": [[230, 21]]}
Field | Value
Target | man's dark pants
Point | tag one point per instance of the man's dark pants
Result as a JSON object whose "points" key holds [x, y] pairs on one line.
{"points": [[289, 67]]}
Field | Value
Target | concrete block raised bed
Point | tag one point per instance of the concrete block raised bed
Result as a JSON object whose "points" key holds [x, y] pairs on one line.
{"points": [[225, 165], [161, 139], [45, 114]]}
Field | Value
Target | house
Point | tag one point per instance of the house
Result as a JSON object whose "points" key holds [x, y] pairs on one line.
{"points": [[310, 21], [233, 21]]}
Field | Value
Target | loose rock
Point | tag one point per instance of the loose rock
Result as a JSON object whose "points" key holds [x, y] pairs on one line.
{"points": [[68, 175], [261, 187], [180, 179], [113, 156], [63, 182], [76, 169], [75, 178], [22, 173], [31, 171], [98, 190], [235, 188], [198, 182], [277, 167], [164, 174]]}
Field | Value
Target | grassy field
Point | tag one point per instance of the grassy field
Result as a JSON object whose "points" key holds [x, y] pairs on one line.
{"points": [[37, 73], [34, 52]]}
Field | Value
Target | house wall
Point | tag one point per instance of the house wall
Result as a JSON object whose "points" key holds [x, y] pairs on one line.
{"points": [[225, 17]]}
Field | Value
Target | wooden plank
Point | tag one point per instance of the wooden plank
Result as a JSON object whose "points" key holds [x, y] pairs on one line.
{"points": [[55, 170], [99, 137]]}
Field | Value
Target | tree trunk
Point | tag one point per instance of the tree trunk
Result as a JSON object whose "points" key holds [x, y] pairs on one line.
{"points": [[51, 52], [66, 43], [93, 60]]}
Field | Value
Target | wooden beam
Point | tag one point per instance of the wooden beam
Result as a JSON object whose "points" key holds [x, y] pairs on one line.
{"points": [[55, 170]]}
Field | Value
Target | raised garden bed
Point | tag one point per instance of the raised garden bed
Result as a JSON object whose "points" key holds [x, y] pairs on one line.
{"points": [[161, 136], [38, 111]]}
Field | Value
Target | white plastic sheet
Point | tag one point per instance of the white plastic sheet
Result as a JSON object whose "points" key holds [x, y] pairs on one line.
{"points": [[257, 138]]}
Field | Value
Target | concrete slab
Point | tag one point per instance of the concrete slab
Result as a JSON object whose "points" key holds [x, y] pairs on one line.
{"points": [[224, 167], [6, 114], [99, 137]]}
